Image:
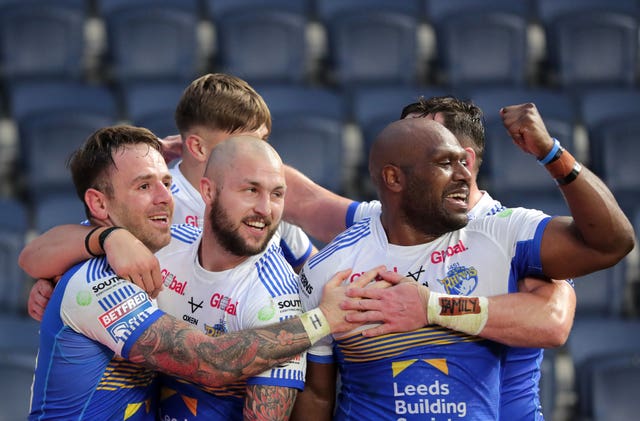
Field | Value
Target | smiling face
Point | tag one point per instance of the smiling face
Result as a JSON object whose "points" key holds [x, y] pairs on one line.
{"points": [[246, 198], [139, 198]]}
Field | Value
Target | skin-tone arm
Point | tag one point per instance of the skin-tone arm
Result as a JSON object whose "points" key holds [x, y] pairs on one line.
{"points": [[318, 397], [598, 235], [268, 403], [539, 315], [179, 349], [318, 211], [64, 246]]}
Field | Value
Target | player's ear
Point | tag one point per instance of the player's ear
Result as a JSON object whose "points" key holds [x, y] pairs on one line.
{"points": [[97, 203], [392, 178], [197, 147], [207, 190], [471, 158]]}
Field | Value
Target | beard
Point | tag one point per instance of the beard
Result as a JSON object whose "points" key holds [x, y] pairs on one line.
{"points": [[229, 237], [426, 214]]}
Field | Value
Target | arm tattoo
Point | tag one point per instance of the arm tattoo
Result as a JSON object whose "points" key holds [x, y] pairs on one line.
{"points": [[177, 348], [268, 403]]}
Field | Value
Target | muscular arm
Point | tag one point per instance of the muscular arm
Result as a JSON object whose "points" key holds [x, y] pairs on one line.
{"points": [[64, 246], [540, 315], [176, 348], [318, 211], [598, 235], [319, 393], [268, 403]]}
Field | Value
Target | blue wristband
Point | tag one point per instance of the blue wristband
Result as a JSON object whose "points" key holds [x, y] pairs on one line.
{"points": [[552, 153]]}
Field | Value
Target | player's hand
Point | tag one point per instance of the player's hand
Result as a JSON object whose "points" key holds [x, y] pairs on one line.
{"points": [[334, 294], [39, 297], [132, 260], [401, 308], [526, 128], [171, 147]]}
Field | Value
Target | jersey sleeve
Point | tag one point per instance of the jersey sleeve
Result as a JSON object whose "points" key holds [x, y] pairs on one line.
{"points": [[295, 244], [108, 309], [361, 210]]}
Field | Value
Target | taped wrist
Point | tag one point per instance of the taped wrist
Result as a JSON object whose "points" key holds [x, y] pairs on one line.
{"points": [[315, 324], [463, 314]]}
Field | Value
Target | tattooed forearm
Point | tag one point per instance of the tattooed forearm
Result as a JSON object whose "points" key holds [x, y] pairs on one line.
{"points": [[177, 348], [268, 403]]}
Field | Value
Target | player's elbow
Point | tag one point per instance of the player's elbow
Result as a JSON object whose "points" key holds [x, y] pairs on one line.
{"points": [[559, 324], [26, 261]]}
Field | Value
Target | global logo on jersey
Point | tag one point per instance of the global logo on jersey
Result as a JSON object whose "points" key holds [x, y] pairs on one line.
{"points": [[440, 255], [217, 329], [170, 281], [224, 303], [191, 220], [460, 280], [356, 275]]}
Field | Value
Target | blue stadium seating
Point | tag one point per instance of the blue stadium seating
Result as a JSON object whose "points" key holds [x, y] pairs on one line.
{"points": [[371, 41], [151, 39], [481, 43], [152, 105], [42, 39], [615, 380], [14, 225]]}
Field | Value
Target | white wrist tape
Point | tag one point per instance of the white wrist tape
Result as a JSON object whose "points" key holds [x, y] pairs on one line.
{"points": [[463, 314], [315, 324]]}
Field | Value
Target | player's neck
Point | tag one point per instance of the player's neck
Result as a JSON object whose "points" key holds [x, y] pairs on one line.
{"points": [[213, 257], [474, 194], [192, 171]]}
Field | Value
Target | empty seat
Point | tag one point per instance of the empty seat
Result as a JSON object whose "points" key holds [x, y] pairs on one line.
{"points": [[152, 105], [615, 381], [14, 225], [592, 42], [57, 209], [42, 39], [262, 41], [481, 43], [372, 41], [308, 125], [151, 39], [53, 119]]}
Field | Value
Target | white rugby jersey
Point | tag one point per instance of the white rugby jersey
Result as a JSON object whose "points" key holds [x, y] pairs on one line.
{"points": [[260, 291], [88, 328], [189, 209], [431, 372]]}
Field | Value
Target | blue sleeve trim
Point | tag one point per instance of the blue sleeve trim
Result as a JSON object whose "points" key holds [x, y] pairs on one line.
{"points": [[290, 258], [320, 359], [139, 331], [351, 213]]}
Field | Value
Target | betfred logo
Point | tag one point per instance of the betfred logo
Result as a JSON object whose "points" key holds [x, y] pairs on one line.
{"points": [[440, 256], [121, 310], [224, 303], [170, 281]]}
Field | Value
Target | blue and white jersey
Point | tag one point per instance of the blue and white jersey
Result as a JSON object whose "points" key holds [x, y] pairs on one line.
{"points": [[430, 373], [189, 209], [260, 291], [88, 328], [520, 378]]}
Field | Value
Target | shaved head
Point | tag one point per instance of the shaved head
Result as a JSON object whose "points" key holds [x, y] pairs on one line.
{"points": [[224, 156]]}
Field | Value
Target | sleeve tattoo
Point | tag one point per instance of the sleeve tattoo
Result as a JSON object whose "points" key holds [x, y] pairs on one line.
{"points": [[268, 403], [177, 348]]}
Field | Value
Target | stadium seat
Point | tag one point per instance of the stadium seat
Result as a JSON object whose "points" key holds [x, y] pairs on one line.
{"points": [[42, 39], [612, 118], [615, 380], [14, 225], [371, 41], [153, 104], [52, 120], [591, 43], [481, 43], [595, 339], [262, 42], [56, 209], [151, 39], [308, 125]]}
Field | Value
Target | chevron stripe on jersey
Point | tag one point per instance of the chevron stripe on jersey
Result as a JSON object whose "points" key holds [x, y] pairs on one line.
{"points": [[346, 239], [98, 268], [276, 274], [185, 233]]}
